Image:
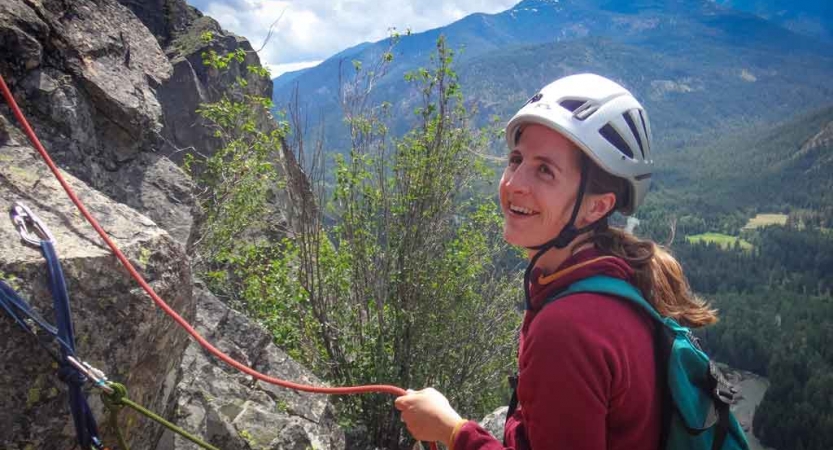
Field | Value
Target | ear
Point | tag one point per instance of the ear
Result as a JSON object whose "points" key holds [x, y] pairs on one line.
{"points": [[595, 207]]}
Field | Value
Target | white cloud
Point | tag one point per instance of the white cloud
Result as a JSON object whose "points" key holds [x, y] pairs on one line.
{"points": [[312, 30], [276, 70]]}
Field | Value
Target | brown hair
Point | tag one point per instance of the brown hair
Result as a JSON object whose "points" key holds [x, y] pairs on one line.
{"points": [[657, 273]]}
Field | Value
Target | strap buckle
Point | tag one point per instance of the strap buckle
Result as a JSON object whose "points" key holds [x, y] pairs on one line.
{"points": [[722, 389], [30, 227]]}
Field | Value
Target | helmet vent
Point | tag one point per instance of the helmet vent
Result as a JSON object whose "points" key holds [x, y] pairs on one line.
{"points": [[644, 128], [586, 110], [572, 105], [632, 126], [613, 136]]}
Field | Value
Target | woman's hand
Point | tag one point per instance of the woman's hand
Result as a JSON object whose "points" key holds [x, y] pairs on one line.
{"points": [[428, 415]]}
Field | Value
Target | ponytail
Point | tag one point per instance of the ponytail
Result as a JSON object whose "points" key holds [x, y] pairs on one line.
{"points": [[657, 273]]}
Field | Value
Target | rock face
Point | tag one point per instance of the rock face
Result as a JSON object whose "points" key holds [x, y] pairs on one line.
{"points": [[111, 89], [87, 74], [231, 409], [494, 422], [182, 32], [117, 327]]}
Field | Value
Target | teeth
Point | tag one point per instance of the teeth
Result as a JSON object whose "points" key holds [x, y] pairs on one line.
{"points": [[520, 209]]}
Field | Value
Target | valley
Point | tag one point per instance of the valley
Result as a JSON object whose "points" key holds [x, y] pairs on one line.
{"points": [[742, 113]]}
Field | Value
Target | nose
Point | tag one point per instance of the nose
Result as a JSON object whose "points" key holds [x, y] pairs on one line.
{"points": [[517, 181]]}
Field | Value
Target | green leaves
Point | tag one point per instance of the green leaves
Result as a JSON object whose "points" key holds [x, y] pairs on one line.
{"points": [[237, 179], [221, 62], [398, 285], [420, 300]]}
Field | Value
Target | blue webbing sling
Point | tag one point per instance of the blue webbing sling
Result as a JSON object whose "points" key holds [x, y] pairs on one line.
{"points": [[20, 310]]}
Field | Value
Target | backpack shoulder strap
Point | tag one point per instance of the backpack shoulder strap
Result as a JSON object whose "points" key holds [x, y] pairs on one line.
{"points": [[603, 284]]}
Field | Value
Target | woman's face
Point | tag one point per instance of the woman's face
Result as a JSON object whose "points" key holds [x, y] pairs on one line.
{"points": [[539, 186]]}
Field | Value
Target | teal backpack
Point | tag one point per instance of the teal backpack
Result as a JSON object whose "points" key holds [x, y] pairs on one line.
{"points": [[698, 395]]}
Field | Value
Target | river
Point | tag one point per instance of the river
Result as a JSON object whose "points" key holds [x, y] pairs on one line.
{"points": [[752, 389]]}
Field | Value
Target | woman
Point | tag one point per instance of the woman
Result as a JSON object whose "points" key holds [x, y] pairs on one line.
{"points": [[579, 150]]}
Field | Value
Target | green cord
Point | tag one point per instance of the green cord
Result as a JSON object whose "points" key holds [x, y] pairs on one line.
{"points": [[116, 400]]}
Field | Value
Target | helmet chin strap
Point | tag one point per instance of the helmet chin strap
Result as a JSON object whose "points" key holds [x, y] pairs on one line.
{"points": [[567, 234]]}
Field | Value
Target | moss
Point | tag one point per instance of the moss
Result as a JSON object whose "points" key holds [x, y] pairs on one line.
{"points": [[33, 396], [282, 406], [144, 257], [247, 436], [22, 175], [11, 280]]}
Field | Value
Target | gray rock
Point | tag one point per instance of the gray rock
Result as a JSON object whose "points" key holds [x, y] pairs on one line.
{"points": [[179, 32], [234, 411], [493, 423], [87, 75], [117, 327], [111, 89], [164, 18]]}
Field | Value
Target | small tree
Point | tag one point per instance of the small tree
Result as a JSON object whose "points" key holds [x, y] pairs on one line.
{"points": [[402, 289], [389, 277]]}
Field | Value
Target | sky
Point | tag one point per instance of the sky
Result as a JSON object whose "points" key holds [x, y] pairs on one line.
{"points": [[309, 31]]}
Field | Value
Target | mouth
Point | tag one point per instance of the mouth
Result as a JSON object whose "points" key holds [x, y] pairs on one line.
{"points": [[517, 210]]}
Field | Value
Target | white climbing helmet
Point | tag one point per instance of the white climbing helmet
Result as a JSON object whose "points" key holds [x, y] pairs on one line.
{"points": [[603, 119]]}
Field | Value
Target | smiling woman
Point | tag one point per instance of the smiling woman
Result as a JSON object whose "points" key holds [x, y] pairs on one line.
{"points": [[533, 173], [590, 364]]}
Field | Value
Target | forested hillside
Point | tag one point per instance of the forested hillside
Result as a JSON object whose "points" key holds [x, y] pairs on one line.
{"points": [[717, 186], [776, 319], [772, 283], [693, 95], [810, 17]]}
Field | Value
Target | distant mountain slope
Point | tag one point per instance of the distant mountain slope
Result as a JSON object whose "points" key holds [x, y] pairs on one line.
{"points": [[773, 168], [699, 66], [810, 17], [706, 89], [287, 77]]}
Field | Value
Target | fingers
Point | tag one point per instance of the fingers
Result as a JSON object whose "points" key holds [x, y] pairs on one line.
{"points": [[427, 414], [403, 402]]}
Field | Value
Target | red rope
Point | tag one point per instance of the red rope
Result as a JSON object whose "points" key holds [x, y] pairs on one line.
{"points": [[374, 388]]}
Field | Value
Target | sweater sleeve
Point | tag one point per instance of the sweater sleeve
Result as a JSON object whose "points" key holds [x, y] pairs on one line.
{"points": [[566, 376], [472, 436]]}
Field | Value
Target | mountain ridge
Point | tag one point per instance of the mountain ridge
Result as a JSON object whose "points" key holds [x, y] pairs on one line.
{"points": [[701, 33], [809, 17]]}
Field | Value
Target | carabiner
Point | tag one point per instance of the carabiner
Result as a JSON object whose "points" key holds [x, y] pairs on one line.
{"points": [[31, 228], [96, 376]]}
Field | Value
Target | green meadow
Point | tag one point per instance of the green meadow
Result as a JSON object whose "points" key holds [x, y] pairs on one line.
{"points": [[723, 240], [762, 220]]}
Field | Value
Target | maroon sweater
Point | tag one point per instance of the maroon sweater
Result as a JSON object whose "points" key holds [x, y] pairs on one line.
{"points": [[586, 377]]}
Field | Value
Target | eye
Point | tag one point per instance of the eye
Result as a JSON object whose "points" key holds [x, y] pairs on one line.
{"points": [[514, 160], [544, 170]]}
